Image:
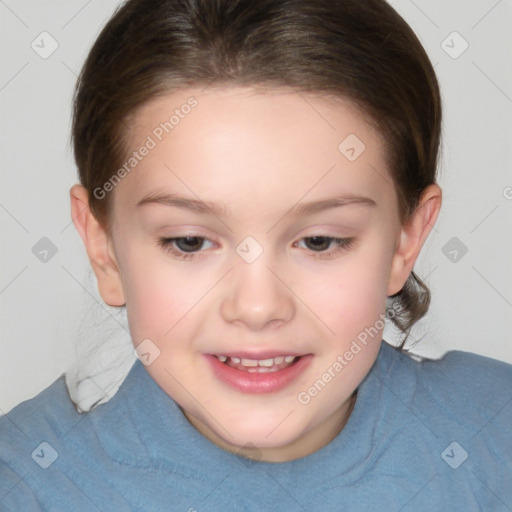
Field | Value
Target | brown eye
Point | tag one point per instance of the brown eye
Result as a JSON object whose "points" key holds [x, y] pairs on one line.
{"points": [[321, 245], [184, 247], [189, 243], [318, 243]]}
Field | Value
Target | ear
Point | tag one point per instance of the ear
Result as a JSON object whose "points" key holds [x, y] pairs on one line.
{"points": [[99, 247], [412, 236]]}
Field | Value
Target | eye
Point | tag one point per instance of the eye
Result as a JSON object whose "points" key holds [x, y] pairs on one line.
{"points": [[187, 246], [320, 244]]}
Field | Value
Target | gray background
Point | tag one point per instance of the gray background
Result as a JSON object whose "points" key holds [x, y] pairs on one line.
{"points": [[51, 310]]}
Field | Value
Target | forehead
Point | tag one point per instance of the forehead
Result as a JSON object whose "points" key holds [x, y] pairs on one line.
{"points": [[247, 141], [277, 111]]}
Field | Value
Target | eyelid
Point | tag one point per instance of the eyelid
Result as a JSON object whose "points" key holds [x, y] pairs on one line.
{"points": [[342, 244], [166, 243]]}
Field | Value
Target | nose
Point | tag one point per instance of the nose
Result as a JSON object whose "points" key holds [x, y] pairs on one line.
{"points": [[256, 296]]}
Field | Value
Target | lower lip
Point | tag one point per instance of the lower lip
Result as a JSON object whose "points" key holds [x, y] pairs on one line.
{"points": [[258, 382]]}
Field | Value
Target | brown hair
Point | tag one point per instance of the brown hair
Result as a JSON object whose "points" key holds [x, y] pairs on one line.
{"points": [[361, 50]]}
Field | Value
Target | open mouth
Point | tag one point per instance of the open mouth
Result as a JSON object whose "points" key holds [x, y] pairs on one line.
{"points": [[265, 375], [269, 365]]}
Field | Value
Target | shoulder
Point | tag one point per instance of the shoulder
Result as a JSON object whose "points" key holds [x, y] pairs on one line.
{"points": [[462, 393], [469, 368], [457, 412], [460, 374], [50, 411], [52, 457], [49, 416], [30, 439], [466, 380], [476, 391]]}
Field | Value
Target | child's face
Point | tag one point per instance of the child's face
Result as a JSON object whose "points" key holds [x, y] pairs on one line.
{"points": [[268, 283]]}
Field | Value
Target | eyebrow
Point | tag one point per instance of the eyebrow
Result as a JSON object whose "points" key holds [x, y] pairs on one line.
{"points": [[207, 207], [185, 203]]}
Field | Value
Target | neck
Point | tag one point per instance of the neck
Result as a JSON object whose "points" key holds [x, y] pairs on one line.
{"points": [[308, 443]]}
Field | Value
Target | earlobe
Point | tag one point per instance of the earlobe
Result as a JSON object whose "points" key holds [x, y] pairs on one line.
{"points": [[98, 246], [413, 236]]}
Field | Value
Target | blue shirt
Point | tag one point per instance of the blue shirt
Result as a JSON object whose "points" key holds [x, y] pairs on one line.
{"points": [[429, 436]]}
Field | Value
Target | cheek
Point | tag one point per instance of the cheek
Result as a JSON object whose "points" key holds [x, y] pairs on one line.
{"points": [[157, 297], [351, 296]]}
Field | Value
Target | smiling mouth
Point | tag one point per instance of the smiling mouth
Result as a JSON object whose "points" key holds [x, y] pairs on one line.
{"points": [[272, 364]]}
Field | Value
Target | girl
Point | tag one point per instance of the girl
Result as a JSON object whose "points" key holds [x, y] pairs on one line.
{"points": [[257, 180]]}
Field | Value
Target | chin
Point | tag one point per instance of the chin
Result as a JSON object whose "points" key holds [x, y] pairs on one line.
{"points": [[274, 432]]}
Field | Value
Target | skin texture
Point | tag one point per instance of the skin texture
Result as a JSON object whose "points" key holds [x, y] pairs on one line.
{"points": [[257, 154]]}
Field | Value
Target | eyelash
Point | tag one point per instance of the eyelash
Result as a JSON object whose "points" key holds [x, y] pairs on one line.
{"points": [[344, 244]]}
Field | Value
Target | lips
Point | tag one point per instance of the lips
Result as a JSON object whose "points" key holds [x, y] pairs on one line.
{"points": [[261, 373]]}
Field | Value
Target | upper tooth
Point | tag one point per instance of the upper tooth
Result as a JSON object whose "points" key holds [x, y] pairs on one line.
{"points": [[248, 362], [265, 363]]}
